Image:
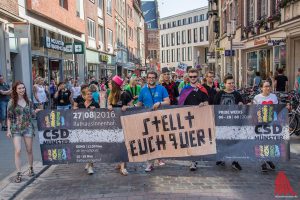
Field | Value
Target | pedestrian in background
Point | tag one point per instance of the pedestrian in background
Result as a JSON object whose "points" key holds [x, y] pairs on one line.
{"points": [[184, 83], [63, 97], [170, 86], [211, 86], [39, 93], [121, 99], [281, 82], [75, 90], [52, 90], [19, 121], [297, 82], [134, 89], [5, 91], [95, 93]]}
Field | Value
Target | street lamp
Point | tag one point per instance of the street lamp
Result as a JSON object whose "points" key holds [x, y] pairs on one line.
{"points": [[230, 34]]}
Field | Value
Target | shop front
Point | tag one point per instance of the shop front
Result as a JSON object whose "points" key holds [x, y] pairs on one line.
{"points": [[266, 58], [53, 55]]}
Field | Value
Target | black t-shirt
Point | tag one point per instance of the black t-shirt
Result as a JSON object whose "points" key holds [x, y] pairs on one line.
{"points": [[196, 97], [281, 82], [63, 98], [211, 93], [125, 98], [223, 98], [79, 99], [93, 104]]}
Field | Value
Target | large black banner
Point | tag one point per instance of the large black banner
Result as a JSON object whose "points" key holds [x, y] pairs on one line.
{"points": [[257, 132]]}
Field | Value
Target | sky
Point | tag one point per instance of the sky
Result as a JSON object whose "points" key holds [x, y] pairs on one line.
{"points": [[171, 7]]}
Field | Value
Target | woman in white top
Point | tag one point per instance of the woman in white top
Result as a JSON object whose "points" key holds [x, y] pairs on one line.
{"points": [[39, 93], [266, 98], [75, 90]]}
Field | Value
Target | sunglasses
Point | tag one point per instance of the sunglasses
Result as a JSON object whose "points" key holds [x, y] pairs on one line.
{"points": [[193, 76]]}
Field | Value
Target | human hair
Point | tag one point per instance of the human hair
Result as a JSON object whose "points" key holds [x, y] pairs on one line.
{"points": [[193, 70], [257, 73], [114, 95], [83, 86], [85, 91], [152, 72], [209, 72], [132, 80], [15, 96], [280, 70], [161, 78], [93, 88], [228, 77], [263, 82], [37, 80], [60, 83]]}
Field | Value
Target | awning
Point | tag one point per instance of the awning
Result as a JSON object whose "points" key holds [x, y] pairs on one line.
{"points": [[129, 66]]}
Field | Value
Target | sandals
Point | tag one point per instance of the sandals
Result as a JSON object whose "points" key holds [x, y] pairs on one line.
{"points": [[31, 172], [124, 172], [18, 179]]}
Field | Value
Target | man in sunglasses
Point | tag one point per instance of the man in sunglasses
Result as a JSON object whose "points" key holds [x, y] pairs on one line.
{"points": [[193, 94]]}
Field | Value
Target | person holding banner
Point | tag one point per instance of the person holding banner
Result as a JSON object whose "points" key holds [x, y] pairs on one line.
{"points": [[19, 122], [193, 94], [266, 97], [229, 96], [88, 103], [153, 96], [119, 98]]}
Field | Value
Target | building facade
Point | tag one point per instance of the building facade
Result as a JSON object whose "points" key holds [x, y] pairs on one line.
{"points": [[152, 50], [184, 40]]}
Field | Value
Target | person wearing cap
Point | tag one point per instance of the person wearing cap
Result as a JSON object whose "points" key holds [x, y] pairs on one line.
{"points": [[119, 98], [170, 86], [153, 96]]}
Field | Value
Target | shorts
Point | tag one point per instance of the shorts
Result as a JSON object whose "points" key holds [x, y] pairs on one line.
{"points": [[3, 110], [25, 133]]}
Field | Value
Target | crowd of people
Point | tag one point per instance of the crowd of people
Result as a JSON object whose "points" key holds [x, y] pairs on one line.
{"points": [[152, 91]]}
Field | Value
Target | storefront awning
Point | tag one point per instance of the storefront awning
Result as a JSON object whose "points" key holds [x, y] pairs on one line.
{"points": [[92, 57], [130, 66]]}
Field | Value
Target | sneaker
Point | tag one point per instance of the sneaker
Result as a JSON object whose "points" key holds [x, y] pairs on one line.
{"points": [[149, 168], [235, 165], [161, 163], [90, 170], [193, 166], [124, 172], [86, 166], [220, 163], [30, 172], [270, 165], [264, 167]]}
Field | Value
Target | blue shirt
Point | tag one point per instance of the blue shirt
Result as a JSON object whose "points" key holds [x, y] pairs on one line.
{"points": [[150, 96]]}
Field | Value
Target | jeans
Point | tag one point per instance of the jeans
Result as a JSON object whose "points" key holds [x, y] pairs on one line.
{"points": [[3, 110], [67, 107]]}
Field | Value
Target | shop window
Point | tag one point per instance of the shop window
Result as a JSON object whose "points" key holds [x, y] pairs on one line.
{"points": [[64, 4], [252, 67]]}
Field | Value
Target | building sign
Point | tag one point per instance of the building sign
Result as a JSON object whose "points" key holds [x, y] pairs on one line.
{"points": [[277, 42], [220, 49], [78, 48], [55, 44], [21, 30], [260, 41], [238, 46], [103, 58], [227, 53], [68, 48]]}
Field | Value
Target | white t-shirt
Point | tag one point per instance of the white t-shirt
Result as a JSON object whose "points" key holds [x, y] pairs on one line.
{"points": [[76, 91], [260, 99]]}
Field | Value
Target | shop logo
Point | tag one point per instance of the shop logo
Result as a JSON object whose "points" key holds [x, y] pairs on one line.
{"points": [[54, 119], [266, 114], [283, 188]]}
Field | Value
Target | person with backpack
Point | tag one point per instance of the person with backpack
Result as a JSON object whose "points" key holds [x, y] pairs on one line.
{"points": [[193, 94]]}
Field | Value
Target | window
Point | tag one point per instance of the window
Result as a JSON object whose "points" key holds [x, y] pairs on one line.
{"points": [[189, 53], [109, 7], [174, 24], [149, 26], [202, 17], [183, 37], [100, 4], [167, 40], [190, 20], [183, 54], [91, 28], [169, 25], [201, 34], [224, 23], [172, 39], [274, 5], [64, 4], [162, 41], [163, 56], [195, 19], [101, 34], [195, 35], [164, 26], [110, 37], [178, 55], [189, 36], [178, 22], [250, 13], [78, 8], [263, 8], [168, 56], [206, 33], [173, 55], [154, 54], [93, 1], [184, 22], [178, 37]]}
